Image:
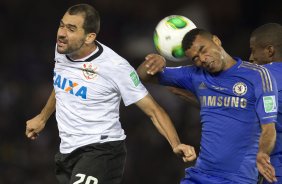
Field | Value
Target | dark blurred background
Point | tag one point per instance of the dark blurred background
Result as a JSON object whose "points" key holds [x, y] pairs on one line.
{"points": [[27, 33]]}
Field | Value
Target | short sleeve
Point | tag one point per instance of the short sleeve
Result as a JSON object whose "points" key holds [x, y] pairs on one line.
{"points": [[267, 97], [129, 84]]}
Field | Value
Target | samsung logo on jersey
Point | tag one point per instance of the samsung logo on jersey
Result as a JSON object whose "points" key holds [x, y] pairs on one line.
{"points": [[70, 86], [223, 101]]}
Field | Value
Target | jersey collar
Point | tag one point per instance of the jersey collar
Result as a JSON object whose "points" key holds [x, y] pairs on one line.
{"points": [[91, 58]]}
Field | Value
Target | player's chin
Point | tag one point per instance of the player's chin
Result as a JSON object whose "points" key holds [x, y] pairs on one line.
{"points": [[62, 50]]}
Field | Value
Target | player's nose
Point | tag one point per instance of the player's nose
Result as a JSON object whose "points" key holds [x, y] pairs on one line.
{"points": [[62, 32], [203, 60]]}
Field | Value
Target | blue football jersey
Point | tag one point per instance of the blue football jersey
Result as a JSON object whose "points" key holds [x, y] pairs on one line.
{"points": [[234, 103], [276, 156]]}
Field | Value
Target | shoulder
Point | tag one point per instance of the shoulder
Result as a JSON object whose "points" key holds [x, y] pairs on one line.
{"points": [[253, 69], [257, 74], [273, 65], [112, 58], [275, 69]]}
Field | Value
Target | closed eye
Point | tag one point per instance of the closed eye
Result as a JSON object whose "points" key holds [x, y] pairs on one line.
{"points": [[195, 58]]}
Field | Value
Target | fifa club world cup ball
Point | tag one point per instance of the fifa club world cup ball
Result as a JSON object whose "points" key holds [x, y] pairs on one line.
{"points": [[168, 36]]}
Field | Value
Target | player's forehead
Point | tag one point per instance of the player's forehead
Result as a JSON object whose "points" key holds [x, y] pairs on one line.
{"points": [[252, 40], [197, 45], [76, 20], [256, 43]]}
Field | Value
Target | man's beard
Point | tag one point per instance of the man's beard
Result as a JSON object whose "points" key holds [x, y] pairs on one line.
{"points": [[70, 50]]}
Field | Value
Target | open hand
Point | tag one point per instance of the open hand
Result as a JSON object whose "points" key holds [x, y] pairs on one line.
{"points": [[154, 63], [265, 168]]}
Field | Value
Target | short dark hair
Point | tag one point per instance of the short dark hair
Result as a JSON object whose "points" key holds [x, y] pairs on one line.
{"points": [[190, 37], [91, 17], [269, 34]]}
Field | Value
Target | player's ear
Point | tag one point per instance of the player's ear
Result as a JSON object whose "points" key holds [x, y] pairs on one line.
{"points": [[270, 50], [90, 38], [216, 40]]}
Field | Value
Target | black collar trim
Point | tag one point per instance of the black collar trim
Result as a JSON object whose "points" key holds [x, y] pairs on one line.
{"points": [[94, 56]]}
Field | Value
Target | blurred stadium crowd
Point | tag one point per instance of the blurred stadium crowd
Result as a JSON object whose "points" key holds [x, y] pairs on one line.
{"points": [[28, 32]]}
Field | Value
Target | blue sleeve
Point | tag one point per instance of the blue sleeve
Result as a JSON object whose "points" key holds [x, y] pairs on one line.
{"points": [[267, 97], [181, 77]]}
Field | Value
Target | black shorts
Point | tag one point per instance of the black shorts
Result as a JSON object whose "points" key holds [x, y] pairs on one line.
{"points": [[92, 164]]}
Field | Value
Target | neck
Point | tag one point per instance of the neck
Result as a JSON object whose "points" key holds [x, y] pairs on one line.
{"points": [[229, 62], [84, 51]]}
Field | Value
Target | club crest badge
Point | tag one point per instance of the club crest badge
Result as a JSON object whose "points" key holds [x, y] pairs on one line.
{"points": [[240, 89], [89, 71]]}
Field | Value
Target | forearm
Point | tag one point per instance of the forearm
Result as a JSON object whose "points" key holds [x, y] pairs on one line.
{"points": [[267, 138], [160, 119], [49, 108], [164, 125]]}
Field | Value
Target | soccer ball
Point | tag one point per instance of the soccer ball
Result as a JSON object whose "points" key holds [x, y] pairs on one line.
{"points": [[168, 36]]}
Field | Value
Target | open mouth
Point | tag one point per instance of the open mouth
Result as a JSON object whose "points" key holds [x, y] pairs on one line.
{"points": [[61, 43]]}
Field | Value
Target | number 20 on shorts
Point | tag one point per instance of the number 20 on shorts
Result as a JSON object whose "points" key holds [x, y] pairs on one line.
{"points": [[89, 179]]}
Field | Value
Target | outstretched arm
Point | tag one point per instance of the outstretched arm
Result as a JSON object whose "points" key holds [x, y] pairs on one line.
{"points": [[266, 144], [155, 63], [36, 124], [164, 125]]}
